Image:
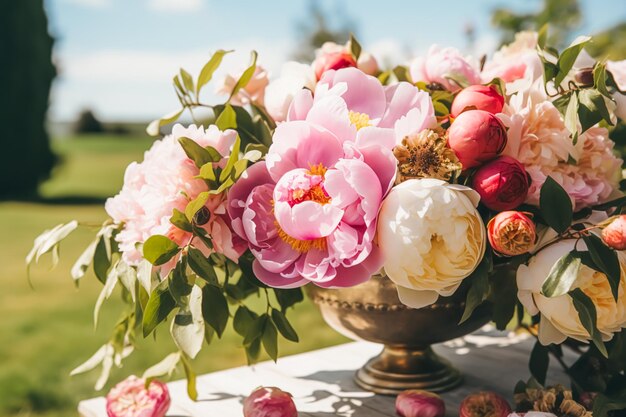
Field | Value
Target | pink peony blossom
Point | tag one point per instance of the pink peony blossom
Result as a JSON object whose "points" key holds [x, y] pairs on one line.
{"points": [[165, 181], [253, 92], [269, 402], [401, 106], [130, 398], [281, 91], [309, 212], [445, 66]]}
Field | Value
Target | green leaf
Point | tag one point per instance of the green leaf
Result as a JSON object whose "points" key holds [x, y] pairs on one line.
{"points": [[209, 69], [592, 108], [227, 118], [159, 306], [84, 260], [588, 317], [402, 74], [179, 286], [288, 297], [571, 115], [243, 320], [164, 368], [503, 296], [159, 249], [255, 332], [542, 36], [253, 351], [187, 80], [196, 153], [215, 308], [246, 76], [479, 289], [283, 326], [154, 128], [538, 363], [207, 172], [102, 258], [196, 204], [355, 47], [555, 205], [562, 275], [201, 266], [568, 57], [179, 220], [270, 339], [599, 79], [234, 157], [606, 260], [603, 404], [191, 377]]}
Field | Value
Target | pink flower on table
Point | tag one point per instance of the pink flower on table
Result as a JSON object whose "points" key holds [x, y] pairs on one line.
{"points": [[402, 106], [130, 398], [269, 402], [309, 212], [253, 92], [445, 66], [164, 181]]}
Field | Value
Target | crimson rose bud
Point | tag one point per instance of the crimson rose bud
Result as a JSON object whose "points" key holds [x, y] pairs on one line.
{"points": [[418, 403], [479, 97], [501, 183], [511, 233], [476, 136], [269, 402], [485, 404], [333, 61], [614, 235]]}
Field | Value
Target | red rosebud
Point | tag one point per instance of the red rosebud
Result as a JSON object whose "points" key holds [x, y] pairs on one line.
{"points": [[333, 61], [501, 183], [511, 233], [484, 404], [418, 403], [476, 136], [479, 97], [269, 402], [614, 235]]}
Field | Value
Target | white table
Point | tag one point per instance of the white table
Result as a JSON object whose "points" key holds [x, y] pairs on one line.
{"points": [[321, 381]]}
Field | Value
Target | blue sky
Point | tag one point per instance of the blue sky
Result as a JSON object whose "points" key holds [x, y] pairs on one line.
{"points": [[117, 57]]}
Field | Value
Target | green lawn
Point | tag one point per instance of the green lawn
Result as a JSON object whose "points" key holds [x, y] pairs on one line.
{"points": [[46, 331]]}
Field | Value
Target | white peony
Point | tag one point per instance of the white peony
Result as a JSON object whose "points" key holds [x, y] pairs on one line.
{"points": [[431, 238], [280, 92], [559, 319]]}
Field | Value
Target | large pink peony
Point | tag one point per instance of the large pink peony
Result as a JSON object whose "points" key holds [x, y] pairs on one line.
{"points": [[309, 212], [402, 106], [165, 181], [131, 398], [445, 66]]}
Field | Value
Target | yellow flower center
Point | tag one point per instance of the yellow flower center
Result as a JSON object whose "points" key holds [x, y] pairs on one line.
{"points": [[359, 120]]}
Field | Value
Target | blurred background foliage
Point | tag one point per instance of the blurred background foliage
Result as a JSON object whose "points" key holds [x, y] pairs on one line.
{"points": [[36, 354]]}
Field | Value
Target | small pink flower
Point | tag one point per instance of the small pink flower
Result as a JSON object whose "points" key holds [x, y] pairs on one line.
{"points": [[253, 92], [418, 403], [501, 183], [614, 235], [476, 136], [445, 66], [478, 97], [130, 398], [333, 61], [511, 233], [269, 402]]}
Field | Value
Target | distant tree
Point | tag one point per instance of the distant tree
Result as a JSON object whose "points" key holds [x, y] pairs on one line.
{"points": [[26, 74], [87, 122], [610, 43], [563, 17], [317, 28]]}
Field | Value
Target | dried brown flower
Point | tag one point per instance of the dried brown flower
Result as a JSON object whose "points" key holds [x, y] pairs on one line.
{"points": [[556, 400], [426, 155]]}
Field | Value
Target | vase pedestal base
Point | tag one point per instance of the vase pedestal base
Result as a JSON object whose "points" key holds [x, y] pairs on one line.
{"points": [[398, 368]]}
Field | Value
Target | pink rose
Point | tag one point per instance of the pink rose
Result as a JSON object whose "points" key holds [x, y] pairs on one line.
{"points": [[511, 233], [476, 136], [479, 97], [269, 402], [418, 403], [614, 235], [484, 404], [333, 61], [130, 398], [501, 183], [445, 66]]}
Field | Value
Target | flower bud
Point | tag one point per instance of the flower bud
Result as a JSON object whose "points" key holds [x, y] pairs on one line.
{"points": [[367, 63], [501, 183], [584, 77], [511, 233], [269, 402], [418, 403], [202, 216], [476, 136], [130, 398], [333, 61], [484, 404], [614, 235], [478, 97]]}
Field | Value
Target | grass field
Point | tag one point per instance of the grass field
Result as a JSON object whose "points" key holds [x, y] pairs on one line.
{"points": [[46, 331]]}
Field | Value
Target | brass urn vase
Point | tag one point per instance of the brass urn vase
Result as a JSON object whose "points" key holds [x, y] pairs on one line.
{"points": [[373, 312]]}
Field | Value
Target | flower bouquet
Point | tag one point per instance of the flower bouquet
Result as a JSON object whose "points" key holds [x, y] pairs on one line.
{"points": [[431, 173]]}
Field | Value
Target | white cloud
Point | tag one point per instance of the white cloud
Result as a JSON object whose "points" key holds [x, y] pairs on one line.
{"points": [[176, 6], [96, 4]]}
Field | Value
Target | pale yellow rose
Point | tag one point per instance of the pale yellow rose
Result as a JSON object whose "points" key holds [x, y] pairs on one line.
{"points": [[431, 237], [559, 319]]}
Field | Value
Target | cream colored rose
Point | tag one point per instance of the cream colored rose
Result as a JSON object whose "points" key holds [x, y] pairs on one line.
{"points": [[431, 237], [559, 318]]}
